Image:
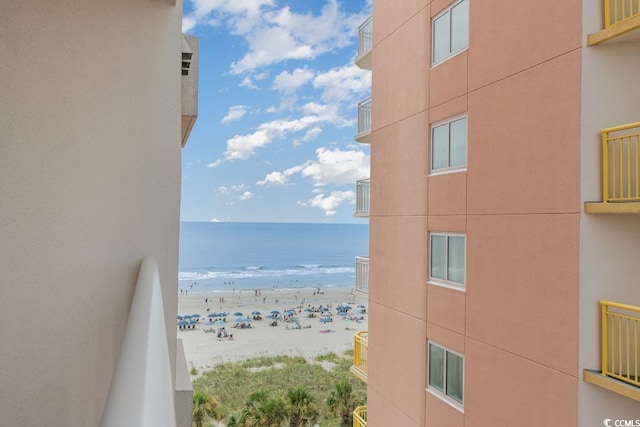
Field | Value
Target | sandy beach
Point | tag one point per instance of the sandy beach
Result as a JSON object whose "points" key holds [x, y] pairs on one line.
{"points": [[306, 337]]}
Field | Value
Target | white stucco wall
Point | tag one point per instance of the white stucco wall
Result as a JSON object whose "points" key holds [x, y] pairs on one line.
{"points": [[609, 269], [89, 184]]}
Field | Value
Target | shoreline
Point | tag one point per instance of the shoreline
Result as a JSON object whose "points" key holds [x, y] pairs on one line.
{"points": [[307, 337]]}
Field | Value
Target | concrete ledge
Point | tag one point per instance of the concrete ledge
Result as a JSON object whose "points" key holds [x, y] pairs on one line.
{"points": [[358, 373], [184, 389], [364, 137], [364, 61], [611, 384], [604, 208]]}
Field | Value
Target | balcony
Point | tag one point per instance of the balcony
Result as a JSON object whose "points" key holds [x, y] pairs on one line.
{"points": [[365, 43], [142, 391], [363, 191], [620, 171], [189, 85], [621, 22], [360, 416], [619, 347], [360, 346], [364, 121], [362, 274]]}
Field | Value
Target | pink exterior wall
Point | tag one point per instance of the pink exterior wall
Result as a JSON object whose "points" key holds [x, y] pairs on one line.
{"points": [[518, 202], [401, 146], [400, 56], [503, 389]]}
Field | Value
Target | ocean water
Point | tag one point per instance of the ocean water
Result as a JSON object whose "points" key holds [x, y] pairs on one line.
{"points": [[217, 256]]}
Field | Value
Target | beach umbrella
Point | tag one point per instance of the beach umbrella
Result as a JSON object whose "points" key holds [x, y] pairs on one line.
{"points": [[219, 322], [179, 317], [256, 313], [325, 308], [275, 312], [186, 317], [237, 313], [271, 316], [213, 315], [208, 323], [195, 315], [361, 306], [308, 310], [342, 313]]}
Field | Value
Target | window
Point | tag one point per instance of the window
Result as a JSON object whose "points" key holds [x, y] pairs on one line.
{"points": [[449, 145], [445, 374], [450, 31], [447, 254]]}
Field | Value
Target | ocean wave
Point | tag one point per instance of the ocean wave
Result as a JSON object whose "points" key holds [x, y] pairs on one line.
{"points": [[309, 266], [193, 275]]}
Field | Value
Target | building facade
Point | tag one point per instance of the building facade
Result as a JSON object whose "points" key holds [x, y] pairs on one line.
{"points": [[500, 228], [90, 155]]}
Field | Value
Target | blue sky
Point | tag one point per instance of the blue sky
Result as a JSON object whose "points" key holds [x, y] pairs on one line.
{"points": [[278, 95]]}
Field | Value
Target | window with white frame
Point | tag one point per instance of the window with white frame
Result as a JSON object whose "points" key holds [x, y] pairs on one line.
{"points": [[446, 374], [449, 145], [447, 259], [450, 31]]}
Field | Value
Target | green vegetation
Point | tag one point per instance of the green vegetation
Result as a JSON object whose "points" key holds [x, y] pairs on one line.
{"points": [[284, 391], [205, 407]]}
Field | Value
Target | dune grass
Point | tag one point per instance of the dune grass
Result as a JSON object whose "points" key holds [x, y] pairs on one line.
{"points": [[232, 383]]}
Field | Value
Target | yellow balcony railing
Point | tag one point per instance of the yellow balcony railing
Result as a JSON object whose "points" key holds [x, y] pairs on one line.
{"points": [[617, 11], [620, 324], [621, 163], [360, 347], [620, 17], [360, 416]]}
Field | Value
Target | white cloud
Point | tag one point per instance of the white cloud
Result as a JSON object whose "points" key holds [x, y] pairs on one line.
{"points": [[241, 147], [275, 179], [288, 83], [337, 166], [246, 195], [276, 34], [215, 220], [310, 135], [343, 84], [235, 112], [248, 83], [330, 203], [223, 190], [239, 187]]}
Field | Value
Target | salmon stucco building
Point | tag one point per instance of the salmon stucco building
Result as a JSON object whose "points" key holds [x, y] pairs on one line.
{"points": [[97, 100], [505, 193]]}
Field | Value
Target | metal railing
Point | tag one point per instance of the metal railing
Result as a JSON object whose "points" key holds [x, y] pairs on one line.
{"points": [[621, 163], [362, 273], [363, 192], [364, 115], [360, 416], [360, 347], [616, 11], [620, 341], [141, 391], [365, 36]]}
